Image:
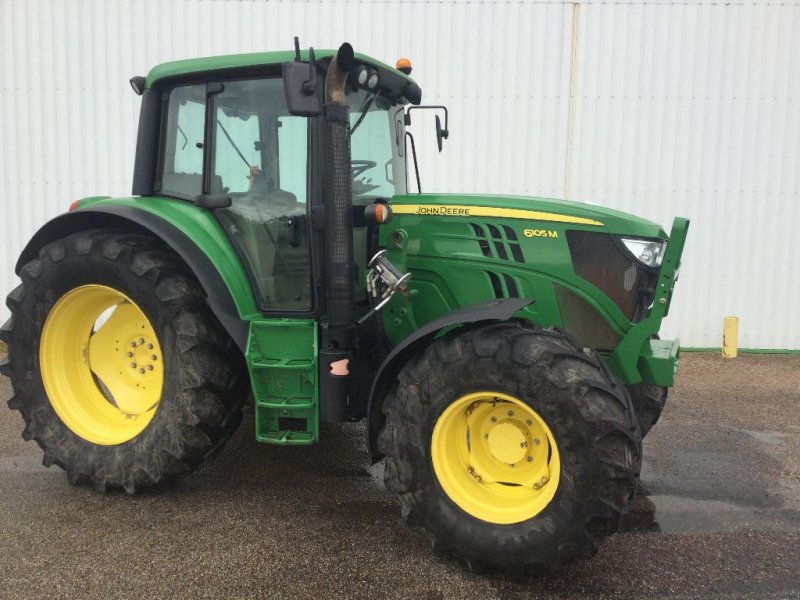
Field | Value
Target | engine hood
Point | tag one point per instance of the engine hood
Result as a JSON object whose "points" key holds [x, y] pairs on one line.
{"points": [[527, 208]]}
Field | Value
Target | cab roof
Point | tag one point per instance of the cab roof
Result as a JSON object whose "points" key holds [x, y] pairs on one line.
{"points": [[254, 59]]}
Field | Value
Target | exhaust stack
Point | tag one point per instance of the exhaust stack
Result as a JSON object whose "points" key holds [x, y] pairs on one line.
{"points": [[338, 334]]}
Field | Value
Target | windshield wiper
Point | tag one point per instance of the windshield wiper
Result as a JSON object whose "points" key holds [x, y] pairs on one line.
{"points": [[235, 147], [185, 139], [364, 109]]}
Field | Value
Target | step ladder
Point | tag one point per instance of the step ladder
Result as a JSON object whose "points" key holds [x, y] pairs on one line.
{"points": [[282, 360]]}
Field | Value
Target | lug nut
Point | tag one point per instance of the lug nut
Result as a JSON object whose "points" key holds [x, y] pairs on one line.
{"points": [[149, 346], [149, 367], [494, 419], [133, 344], [153, 357], [537, 486], [486, 436], [530, 459], [141, 370], [133, 365], [536, 442], [130, 354], [528, 422], [141, 340], [511, 413]]}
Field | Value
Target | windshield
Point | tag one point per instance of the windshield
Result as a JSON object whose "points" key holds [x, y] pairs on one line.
{"points": [[378, 135]]}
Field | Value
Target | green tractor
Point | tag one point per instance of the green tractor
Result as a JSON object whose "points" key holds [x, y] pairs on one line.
{"points": [[502, 350]]}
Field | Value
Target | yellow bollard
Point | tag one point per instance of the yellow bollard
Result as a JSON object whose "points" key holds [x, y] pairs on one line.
{"points": [[730, 337]]}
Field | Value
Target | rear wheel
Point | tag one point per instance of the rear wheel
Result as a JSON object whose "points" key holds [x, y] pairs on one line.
{"points": [[516, 449], [120, 370]]}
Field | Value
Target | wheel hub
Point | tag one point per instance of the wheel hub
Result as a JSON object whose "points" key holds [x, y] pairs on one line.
{"points": [[507, 442], [142, 351]]}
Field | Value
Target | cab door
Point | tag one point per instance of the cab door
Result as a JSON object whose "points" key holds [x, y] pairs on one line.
{"points": [[235, 139]]}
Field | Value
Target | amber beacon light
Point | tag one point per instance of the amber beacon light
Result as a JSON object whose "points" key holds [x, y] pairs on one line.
{"points": [[403, 65]]}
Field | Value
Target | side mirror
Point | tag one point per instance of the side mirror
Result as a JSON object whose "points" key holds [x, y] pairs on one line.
{"points": [[441, 134], [300, 85]]}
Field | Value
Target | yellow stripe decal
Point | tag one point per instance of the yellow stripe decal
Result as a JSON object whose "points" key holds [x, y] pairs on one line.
{"points": [[456, 210]]}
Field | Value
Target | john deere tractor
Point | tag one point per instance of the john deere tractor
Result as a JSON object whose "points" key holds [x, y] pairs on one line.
{"points": [[502, 350]]}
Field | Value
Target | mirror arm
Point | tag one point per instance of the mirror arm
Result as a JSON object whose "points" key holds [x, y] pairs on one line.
{"points": [[414, 154]]}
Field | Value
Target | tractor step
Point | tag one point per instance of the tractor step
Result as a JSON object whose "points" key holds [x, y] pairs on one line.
{"points": [[282, 360]]}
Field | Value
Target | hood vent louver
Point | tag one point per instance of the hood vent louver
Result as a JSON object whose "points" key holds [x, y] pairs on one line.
{"points": [[506, 244], [507, 288]]}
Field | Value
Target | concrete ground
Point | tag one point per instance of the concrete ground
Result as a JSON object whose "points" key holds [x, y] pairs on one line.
{"points": [[718, 514]]}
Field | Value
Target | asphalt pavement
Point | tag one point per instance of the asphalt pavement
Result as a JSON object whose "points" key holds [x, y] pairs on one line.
{"points": [[718, 514]]}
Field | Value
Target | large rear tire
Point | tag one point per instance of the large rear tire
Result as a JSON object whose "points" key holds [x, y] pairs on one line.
{"points": [[516, 449], [120, 370]]}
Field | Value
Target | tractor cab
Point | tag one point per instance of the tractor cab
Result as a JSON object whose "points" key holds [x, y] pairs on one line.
{"points": [[231, 142]]}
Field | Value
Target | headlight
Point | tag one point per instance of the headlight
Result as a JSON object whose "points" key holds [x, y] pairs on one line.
{"points": [[361, 75], [372, 82], [647, 252]]}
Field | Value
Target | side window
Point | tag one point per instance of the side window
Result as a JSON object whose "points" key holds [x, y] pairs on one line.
{"points": [[182, 163], [293, 147]]}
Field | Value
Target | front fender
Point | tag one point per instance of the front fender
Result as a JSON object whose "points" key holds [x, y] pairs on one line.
{"points": [[472, 315], [195, 237]]}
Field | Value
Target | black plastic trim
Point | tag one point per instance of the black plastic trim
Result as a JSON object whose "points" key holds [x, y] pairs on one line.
{"points": [[133, 219], [147, 144], [474, 314]]}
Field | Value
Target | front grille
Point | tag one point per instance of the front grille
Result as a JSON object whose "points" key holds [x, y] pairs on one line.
{"points": [[599, 259], [583, 322]]}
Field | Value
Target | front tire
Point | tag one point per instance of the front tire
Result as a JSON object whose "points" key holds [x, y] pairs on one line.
{"points": [[534, 507], [648, 401], [119, 368]]}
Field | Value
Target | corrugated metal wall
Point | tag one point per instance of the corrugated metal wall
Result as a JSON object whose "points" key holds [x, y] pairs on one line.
{"points": [[657, 108]]}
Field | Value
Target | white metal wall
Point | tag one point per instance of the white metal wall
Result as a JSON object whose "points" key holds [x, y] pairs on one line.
{"points": [[657, 108]]}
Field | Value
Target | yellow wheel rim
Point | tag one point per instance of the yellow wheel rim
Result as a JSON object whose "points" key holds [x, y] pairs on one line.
{"points": [[101, 364], [495, 457]]}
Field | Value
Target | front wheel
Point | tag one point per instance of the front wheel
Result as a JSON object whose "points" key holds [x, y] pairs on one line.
{"points": [[514, 447], [120, 370], [648, 401]]}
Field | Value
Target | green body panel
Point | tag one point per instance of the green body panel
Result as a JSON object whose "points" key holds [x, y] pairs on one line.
{"points": [[240, 61], [282, 361], [433, 237], [201, 226]]}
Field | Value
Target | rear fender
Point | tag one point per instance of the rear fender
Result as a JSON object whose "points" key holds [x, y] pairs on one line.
{"points": [[468, 316], [127, 218]]}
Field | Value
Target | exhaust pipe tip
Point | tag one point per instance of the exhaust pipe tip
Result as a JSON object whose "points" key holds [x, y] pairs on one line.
{"points": [[345, 57], [340, 66]]}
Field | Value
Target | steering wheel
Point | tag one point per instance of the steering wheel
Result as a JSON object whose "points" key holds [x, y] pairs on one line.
{"points": [[359, 166]]}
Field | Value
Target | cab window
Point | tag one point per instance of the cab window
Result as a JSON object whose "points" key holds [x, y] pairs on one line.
{"points": [[181, 171]]}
